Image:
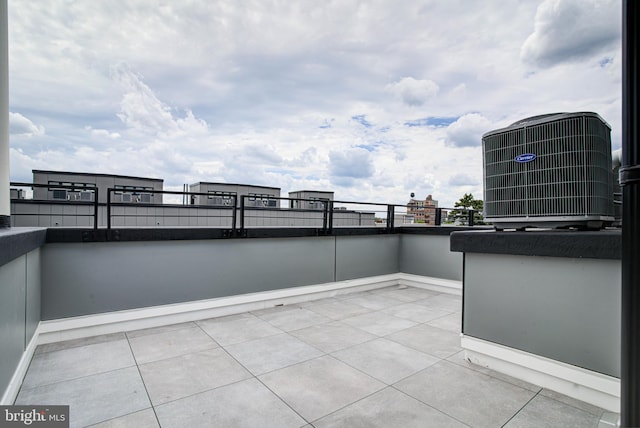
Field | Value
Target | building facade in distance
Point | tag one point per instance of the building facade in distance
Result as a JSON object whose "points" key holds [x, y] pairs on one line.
{"points": [[423, 211], [79, 186], [309, 199], [223, 194]]}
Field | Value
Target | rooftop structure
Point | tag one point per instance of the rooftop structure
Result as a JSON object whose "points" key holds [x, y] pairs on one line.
{"points": [[79, 186], [223, 194], [309, 199]]}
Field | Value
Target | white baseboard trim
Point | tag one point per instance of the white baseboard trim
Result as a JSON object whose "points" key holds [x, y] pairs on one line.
{"points": [[585, 385], [11, 393], [430, 283], [156, 316]]}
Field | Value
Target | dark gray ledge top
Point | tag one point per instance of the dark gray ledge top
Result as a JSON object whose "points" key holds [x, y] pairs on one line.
{"points": [[17, 241], [601, 244], [60, 235]]}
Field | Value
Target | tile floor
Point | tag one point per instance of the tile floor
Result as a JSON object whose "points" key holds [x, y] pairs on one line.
{"points": [[384, 358]]}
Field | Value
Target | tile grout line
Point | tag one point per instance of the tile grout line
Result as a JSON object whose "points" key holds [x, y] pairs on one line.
{"points": [[153, 407], [521, 408], [427, 404], [253, 376]]}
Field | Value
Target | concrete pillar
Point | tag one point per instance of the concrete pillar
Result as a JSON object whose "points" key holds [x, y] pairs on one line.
{"points": [[5, 205]]}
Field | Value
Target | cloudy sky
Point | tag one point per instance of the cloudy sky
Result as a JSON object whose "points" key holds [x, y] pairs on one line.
{"points": [[372, 99]]}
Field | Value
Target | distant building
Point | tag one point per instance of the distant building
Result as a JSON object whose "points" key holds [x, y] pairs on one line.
{"points": [[222, 194], [423, 211], [309, 199], [68, 199], [79, 186], [16, 193]]}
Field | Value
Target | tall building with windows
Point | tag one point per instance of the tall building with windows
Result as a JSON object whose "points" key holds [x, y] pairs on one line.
{"points": [[423, 211]]}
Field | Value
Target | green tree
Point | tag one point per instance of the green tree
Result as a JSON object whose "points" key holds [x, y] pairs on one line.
{"points": [[460, 215]]}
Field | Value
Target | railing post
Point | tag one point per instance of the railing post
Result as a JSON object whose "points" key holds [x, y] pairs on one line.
{"points": [[5, 198], [242, 214], [330, 225], [234, 215], [471, 215], [390, 214], [325, 216], [438, 219], [95, 209], [109, 209]]}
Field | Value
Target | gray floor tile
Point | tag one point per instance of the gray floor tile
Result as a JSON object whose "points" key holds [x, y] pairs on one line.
{"points": [[408, 294], [320, 386], [322, 301], [346, 296], [466, 395], [161, 329], [294, 319], [609, 420], [243, 404], [590, 408], [458, 358], [332, 336], [448, 302], [374, 302], [417, 313], [546, 412], [388, 408], [142, 419], [178, 377], [338, 309], [158, 346], [385, 360], [431, 340], [72, 363], [276, 309], [379, 323], [237, 328], [94, 398], [451, 322], [211, 386], [271, 353], [76, 343]]}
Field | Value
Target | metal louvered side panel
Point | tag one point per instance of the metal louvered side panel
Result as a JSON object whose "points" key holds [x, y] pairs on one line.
{"points": [[504, 178]]}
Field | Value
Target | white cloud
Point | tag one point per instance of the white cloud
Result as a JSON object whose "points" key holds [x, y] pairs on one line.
{"points": [[103, 133], [413, 92], [462, 180], [568, 30], [142, 111], [467, 130], [20, 125], [351, 163]]}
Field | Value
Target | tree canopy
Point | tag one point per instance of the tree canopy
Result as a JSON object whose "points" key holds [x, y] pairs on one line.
{"points": [[460, 215]]}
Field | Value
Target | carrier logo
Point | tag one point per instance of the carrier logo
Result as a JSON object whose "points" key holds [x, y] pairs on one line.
{"points": [[527, 157]]}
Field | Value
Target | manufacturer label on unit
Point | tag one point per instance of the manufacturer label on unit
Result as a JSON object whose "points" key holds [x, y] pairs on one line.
{"points": [[524, 158]]}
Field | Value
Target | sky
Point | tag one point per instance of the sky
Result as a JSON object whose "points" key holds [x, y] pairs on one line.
{"points": [[372, 99]]}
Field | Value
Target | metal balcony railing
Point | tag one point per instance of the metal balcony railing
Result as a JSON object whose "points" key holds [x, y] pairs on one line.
{"points": [[235, 213]]}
